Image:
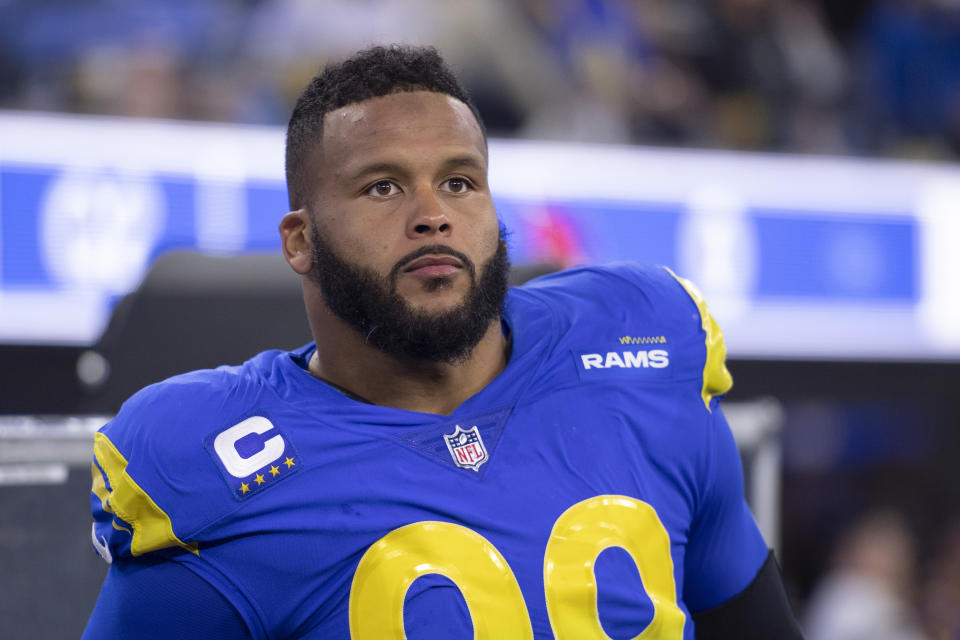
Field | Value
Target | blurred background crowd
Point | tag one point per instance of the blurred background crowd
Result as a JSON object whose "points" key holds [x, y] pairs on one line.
{"points": [[857, 77], [875, 77]]}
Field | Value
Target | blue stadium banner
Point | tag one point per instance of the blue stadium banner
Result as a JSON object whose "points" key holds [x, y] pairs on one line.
{"points": [[799, 256]]}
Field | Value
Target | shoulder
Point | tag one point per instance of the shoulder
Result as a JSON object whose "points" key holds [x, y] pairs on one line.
{"points": [[627, 307], [163, 415], [640, 287], [155, 477], [612, 275]]}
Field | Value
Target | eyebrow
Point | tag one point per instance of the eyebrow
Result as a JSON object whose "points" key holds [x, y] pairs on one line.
{"points": [[469, 161], [378, 167]]}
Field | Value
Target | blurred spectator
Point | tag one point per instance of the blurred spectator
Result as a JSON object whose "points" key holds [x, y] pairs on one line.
{"points": [[867, 594], [744, 66], [909, 78], [670, 100], [744, 74], [598, 48], [940, 594], [818, 74], [140, 81]]}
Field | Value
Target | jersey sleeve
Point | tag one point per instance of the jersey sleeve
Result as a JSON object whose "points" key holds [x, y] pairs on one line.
{"points": [[717, 380], [154, 495], [126, 476], [725, 549], [153, 485], [160, 601], [126, 520]]}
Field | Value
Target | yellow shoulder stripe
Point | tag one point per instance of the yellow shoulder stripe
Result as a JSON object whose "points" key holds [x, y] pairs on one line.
{"points": [[99, 487], [152, 528], [716, 378]]}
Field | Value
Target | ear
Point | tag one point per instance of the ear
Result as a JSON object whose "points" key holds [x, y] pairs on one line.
{"points": [[295, 240]]}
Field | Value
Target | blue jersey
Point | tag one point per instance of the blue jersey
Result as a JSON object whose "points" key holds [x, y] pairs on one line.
{"points": [[592, 488]]}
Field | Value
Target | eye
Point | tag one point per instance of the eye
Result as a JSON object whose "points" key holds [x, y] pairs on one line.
{"points": [[456, 185], [382, 188]]}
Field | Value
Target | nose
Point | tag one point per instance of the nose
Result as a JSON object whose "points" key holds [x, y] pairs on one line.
{"points": [[428, 217]]}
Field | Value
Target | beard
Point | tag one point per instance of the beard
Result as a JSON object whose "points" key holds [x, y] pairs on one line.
{"points": [[369, 303]]}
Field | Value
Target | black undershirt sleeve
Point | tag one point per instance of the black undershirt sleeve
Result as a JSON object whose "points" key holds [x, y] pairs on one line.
{"points": [[760, 612]]}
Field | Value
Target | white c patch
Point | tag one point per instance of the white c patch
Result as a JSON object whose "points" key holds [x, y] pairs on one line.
{"points": [[238, 466]]}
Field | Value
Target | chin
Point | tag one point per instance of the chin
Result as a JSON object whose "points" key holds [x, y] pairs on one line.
{"points": [[436, 292], [436, 307], [438, 284], [435, 304]]}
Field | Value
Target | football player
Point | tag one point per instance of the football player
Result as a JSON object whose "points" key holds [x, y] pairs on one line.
{"points": [[448, 458]]}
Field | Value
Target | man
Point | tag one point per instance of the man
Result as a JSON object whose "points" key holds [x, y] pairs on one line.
{"points": [[447, 460]]}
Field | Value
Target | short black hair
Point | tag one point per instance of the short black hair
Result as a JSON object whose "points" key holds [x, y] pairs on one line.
{"points": [[371, 73]]}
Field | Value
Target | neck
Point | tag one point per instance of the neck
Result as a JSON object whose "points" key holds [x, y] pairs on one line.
{"points": [[345, 360]]}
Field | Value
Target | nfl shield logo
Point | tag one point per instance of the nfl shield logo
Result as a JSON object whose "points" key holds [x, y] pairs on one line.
{"points": [[466, 448]]}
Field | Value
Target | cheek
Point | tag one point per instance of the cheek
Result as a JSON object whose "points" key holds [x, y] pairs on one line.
{"points": [[373, 253], [491, 238], [375, 238], [353, 240]]}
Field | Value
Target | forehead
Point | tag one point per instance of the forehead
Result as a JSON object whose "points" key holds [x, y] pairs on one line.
{"points": [[400, 124]]}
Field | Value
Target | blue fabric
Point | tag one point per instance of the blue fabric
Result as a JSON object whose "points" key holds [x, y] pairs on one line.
{"points": [[161, 601], [326, 476]]}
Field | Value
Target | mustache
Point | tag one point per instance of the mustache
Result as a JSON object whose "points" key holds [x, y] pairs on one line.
{"points": [[436, 250]]}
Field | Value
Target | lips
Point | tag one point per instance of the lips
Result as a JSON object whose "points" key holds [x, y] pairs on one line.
{"points": [[434, 266]]}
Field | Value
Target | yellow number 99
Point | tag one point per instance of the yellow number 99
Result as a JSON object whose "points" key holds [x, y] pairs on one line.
{"points": [[578, 537], [390, 566], [488, 585]]}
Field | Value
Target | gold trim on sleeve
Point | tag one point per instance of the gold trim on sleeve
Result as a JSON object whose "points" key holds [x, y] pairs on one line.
{"points": [[152, 528], [716, 377]]}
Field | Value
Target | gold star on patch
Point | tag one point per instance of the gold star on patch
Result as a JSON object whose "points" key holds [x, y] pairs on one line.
{"points": [[274, 471], [244, 487], [288, 462], [259, 479]]}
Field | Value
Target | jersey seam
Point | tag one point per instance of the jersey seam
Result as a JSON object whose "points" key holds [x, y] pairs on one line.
{"points": [[709, 481], [263, 629], [544, 300]]}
